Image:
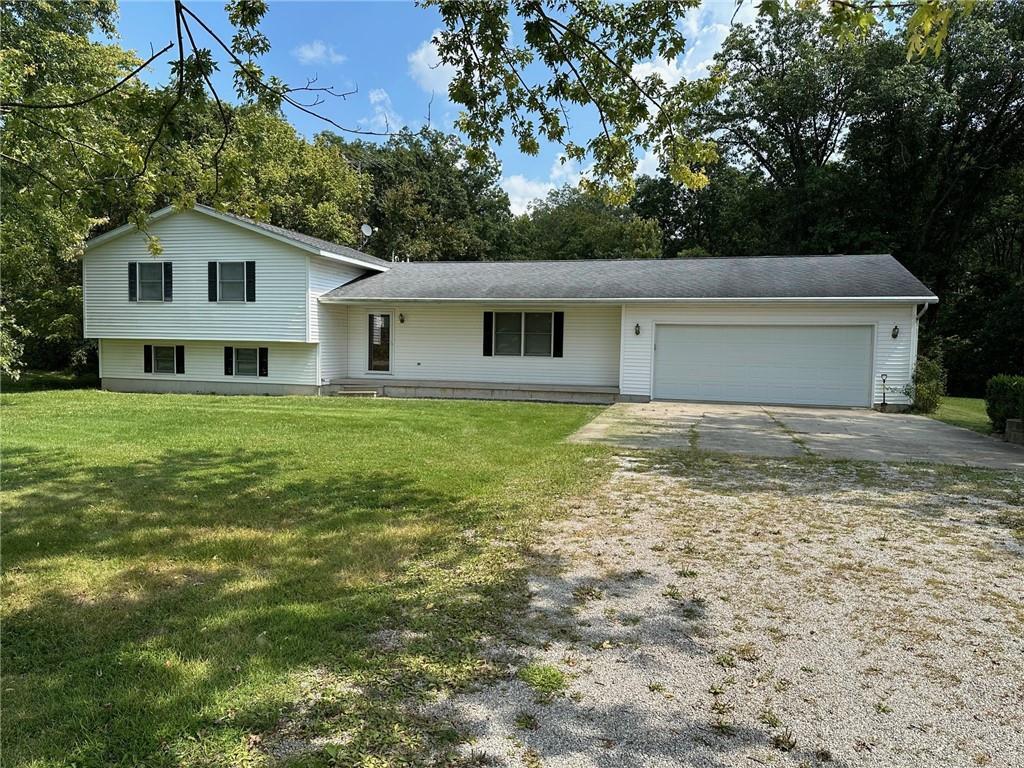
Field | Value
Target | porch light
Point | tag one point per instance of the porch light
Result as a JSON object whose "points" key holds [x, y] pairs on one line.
{"points": [[401, 317], [895, 331], [636, 329]]}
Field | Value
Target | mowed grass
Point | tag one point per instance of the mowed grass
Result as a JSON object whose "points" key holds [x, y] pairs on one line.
{"points": [[967, 412], [247, 581]]}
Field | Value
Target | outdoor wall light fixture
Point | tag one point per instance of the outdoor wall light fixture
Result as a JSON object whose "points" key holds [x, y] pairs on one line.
{"points": [[636, 329], [895, 331], [401, 317]]}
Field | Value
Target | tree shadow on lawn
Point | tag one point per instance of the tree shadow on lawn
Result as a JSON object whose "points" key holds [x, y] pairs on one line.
{"points": [[168, 612]]}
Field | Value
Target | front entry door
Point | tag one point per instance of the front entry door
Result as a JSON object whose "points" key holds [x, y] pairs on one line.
{"points": [[379, 343]]}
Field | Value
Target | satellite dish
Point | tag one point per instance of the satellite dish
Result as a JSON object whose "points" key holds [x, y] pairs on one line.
{"points": [[366, 229]]}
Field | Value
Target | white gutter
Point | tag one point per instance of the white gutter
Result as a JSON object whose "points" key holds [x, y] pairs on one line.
{"points": [[645, 300]]}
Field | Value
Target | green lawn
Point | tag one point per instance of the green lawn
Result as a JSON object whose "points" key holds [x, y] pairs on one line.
{"points": [[199, 580], [966, 412]]}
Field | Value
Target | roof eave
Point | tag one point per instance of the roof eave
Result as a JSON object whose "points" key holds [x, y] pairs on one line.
{"points": [[214, 214], [930, 299]]}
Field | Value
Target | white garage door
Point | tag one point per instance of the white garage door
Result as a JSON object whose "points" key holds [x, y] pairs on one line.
{"points": [[799, 365]]}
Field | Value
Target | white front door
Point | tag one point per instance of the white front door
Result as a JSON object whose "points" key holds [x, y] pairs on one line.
{"points": [[783, 364]]}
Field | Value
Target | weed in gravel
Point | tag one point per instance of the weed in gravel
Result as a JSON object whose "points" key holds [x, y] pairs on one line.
{"points": [[725, 659], [686, 573], [720, 706], [672, 592], [531, 759], [784, 741], [769, 718], [783, 684], [882, 708], [746, 652], [545, 679], [656, 687], [524, 721], [587, 593]]}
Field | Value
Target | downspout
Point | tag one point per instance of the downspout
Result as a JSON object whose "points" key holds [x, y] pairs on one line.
{"points": [[921, 311]]}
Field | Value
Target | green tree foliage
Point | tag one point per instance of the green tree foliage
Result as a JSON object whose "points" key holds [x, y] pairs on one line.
{"points": [[270, 173], [579, 224], [428, 202]]}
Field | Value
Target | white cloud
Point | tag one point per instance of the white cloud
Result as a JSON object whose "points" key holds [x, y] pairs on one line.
{"points": [[523, 191], [384, 116], [647, 165], [669, 71], [426, 68], [317, 52]]}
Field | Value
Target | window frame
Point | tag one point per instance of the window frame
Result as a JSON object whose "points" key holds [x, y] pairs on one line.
{"points": [[138, 282], [174, 360], [256, 362], [220, 295], [391, 343], [522, 334]]}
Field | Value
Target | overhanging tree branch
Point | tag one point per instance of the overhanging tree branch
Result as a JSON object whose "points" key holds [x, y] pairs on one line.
{"points": [[82, 102]]}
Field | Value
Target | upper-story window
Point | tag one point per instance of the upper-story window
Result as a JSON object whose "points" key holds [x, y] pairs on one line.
{"points": [[150, 280], [232, 281]]}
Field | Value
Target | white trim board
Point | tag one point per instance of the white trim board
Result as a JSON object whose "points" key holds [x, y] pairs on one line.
{"points": [[207, 211]]}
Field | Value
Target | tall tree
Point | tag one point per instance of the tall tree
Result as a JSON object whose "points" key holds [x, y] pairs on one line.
{"points": [[577, 224], [429, 203]]}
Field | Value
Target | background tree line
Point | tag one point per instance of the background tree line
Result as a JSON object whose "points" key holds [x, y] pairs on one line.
{"points": [[824, 146]]}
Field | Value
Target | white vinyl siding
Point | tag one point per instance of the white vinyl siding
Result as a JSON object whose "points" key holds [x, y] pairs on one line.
{"points": [[895, 357], [328, 322], [444, 342], [204, 361], [326, 275], [189, 241]]}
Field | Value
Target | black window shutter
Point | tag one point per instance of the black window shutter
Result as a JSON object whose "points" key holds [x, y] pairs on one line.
{"points": [[488, 334], [133, 281], [250, 281], [264, 368], [168, 281], [229, 361], [179, 358], [557, 334], [147, 358], [211, 281]]}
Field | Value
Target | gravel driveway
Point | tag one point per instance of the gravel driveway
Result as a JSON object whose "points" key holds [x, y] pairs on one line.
{"points": [[725, 612]]}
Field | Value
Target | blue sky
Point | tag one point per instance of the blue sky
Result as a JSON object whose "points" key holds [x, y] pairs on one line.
{"points": [[384, 49]]}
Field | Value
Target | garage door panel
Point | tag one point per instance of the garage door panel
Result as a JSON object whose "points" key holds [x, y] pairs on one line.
{"points": [[811, 365]]}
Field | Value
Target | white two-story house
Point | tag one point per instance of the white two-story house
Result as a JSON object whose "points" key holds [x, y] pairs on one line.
{"points": [[236, 306]]}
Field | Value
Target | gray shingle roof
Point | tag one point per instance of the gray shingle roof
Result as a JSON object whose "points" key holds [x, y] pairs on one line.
{"points": [[299, 237], [767, 277]]}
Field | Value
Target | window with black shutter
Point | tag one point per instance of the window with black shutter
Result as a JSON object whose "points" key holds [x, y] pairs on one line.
{"points": [[524, 334], [133, 281], [168, 281]]}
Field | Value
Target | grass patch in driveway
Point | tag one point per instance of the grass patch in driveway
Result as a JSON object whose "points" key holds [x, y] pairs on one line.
{"points": [[545, 679], [966, 412], [195, 580]]}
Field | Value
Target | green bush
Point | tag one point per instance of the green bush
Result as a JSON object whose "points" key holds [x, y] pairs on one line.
{"points": [[1004, 399], [928, 385]]}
